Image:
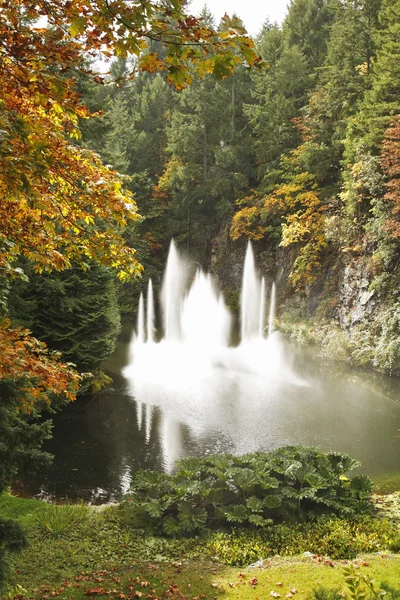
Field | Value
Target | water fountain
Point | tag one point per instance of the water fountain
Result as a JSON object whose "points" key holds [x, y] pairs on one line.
{"points": [[197, 327], [193, 370], [150, 313], [140, 333]]}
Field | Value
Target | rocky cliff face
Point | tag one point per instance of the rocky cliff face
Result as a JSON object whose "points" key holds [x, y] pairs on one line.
{"points": [[342, 293], [357, 302], [339, 312]]}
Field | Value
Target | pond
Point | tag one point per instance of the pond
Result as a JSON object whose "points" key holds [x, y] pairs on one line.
{"points": [[138, 422]]}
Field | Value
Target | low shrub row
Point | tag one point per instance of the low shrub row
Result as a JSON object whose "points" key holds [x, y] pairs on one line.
{"points": [[327, 536], [292, 484]]}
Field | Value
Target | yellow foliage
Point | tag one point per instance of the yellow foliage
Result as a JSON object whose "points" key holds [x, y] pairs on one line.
{"points": [[303, 223], [298, 207], [246, 222]]}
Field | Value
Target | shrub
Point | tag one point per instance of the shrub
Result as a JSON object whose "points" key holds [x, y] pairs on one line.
{"points": [[57, 520], [291, 483], [12, 539], [327, 536]]}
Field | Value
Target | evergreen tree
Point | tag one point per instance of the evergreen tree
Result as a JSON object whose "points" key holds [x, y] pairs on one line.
{"points": [[343, 80], [382, 102], [307, 26], [75, 312], [277, 95], [366, 129], [210, 164]]}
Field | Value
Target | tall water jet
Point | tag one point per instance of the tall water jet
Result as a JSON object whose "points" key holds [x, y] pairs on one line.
{"points": [[197, 323], [262, 308], [272, 305], [250, 298], [172, 294], [140, 321], [150, 312], [205, 319]]}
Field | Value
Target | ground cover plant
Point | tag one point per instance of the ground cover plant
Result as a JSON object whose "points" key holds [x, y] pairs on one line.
{"points": [[288, 484], [94, 553]]}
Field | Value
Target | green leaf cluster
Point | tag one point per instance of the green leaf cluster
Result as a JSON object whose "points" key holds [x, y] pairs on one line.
{"points": [[290, 483], [326, 536]]}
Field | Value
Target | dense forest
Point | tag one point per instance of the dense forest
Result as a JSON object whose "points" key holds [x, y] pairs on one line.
{"points": [[300, 156]]}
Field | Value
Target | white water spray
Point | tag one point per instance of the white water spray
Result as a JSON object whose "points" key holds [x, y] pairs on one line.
{"points": [[250, 298], [272, 309], [140, 321], [205, 319], [172, 294], [262, 308], [197, 346], [150, 313]]}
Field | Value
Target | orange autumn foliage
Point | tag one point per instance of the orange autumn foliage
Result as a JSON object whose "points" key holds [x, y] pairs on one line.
{"points": [[246, 222], [299, 204], [59, 205], [390, 162], [299, 209], [37, 372]]}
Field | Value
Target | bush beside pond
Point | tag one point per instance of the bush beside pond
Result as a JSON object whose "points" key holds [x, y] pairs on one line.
{"points": [[333, 537], [292, 484]]}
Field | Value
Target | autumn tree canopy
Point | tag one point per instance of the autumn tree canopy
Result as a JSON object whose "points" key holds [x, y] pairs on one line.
{"points": [[59, 204]]}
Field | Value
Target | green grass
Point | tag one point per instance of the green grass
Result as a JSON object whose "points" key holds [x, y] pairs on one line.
{"points": [[208, 581], [20, 509], [92, 554]]}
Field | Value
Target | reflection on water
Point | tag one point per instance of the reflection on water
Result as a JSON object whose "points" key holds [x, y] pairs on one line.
{"points": [[142, 422]]}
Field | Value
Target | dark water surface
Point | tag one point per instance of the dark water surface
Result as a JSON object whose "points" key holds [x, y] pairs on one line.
{"points": [[101, 441]]}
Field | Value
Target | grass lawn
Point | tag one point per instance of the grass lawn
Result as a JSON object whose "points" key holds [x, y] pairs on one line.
{"points": [[75, 552], [196, 579]]}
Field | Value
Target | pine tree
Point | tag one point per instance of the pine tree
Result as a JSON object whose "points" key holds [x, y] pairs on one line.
{"points": [[75, 312], [382, 102], [278, 94], [343, 80], [307, 26]]}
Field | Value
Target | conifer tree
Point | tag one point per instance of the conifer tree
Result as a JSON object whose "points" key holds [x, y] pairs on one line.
{"points": [[75, 312], [382, 102], [277, 96], [307, 26]]}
